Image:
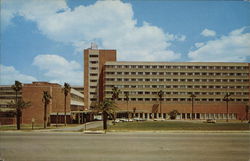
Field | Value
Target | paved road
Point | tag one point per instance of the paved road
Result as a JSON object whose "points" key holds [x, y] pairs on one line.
{"points": [[142, 146]]}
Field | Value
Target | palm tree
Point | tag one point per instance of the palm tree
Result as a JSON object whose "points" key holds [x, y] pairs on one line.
{"points": [[19, 106], [160, 95], [46, 100], [66, 91], [127, 99], [192, 98], [17, 87], [115, 96], [115, 93], [227, 99], [107, 107]]}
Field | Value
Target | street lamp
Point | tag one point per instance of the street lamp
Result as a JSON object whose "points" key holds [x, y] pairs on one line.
{"points": [[192, 97], [227, 99]]}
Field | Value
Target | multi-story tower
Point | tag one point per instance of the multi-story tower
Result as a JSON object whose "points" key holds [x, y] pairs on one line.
{"points": [[94, 61], [209, 82]]}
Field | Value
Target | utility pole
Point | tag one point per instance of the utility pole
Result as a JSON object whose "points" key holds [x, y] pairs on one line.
{"points": [[192, 97]]}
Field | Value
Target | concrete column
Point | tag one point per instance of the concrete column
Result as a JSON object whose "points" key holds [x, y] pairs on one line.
{"points": [[181, 116], [143, 115], [185, 115], [195, 116]]}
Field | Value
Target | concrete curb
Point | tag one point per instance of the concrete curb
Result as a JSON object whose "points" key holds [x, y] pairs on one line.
{"points": [[180, 131], [94, 132]]}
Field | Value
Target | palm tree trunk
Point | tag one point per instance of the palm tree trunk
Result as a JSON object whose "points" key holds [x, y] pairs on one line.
{"points": [[105, 121], [17, 115], [65, 119], [18, 119], [45, 116]]}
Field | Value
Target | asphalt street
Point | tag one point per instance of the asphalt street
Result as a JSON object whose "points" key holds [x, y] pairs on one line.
{"points": [[137, 146]]}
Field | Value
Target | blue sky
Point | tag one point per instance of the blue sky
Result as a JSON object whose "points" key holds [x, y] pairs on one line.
{"points": [[43, 40]]}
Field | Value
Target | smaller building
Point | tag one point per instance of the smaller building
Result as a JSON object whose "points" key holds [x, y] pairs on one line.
{"points": [[75, 112]]}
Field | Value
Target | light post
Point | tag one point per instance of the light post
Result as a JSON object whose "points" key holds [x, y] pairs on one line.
{"points": [[127, 99], [192, 98], [227, 99]]}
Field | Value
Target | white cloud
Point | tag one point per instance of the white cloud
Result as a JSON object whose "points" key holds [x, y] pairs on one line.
{"points": [[207, 33], [199, 44], [232, 48], [110, 23], [172, 37], [9, 74], [59, 70]]}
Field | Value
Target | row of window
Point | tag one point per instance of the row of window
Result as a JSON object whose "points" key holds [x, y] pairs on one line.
{"points": [[175, 80], [178, 67], [183, 99], [177, 93], [179, 86], [177, 73]]}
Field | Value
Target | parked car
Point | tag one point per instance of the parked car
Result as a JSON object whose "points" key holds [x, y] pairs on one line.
{"points": [[210, 121]]}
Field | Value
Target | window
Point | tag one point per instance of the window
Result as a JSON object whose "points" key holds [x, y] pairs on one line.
{"points": [[140, 92], [93, 74], [154, 80], [93, 62], [133, 73], [140, 79], [93, 99], [140, 86], [93, 56], [93, 80]]}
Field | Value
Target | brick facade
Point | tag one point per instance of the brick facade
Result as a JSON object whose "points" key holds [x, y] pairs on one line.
{"points": [[34, 93]]}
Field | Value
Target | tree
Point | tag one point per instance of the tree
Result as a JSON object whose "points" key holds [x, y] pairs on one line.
{"points": [[173, 114], [17, 87], [127, 99], [227, 99], [66, 91], [192, 98], [160, 95], [19, 106], [46, 100], [115, 96], [115, 93], [108, 108]]}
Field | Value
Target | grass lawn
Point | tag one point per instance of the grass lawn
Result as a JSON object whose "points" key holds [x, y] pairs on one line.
{"points": [[178, 125], [36, 127]]}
